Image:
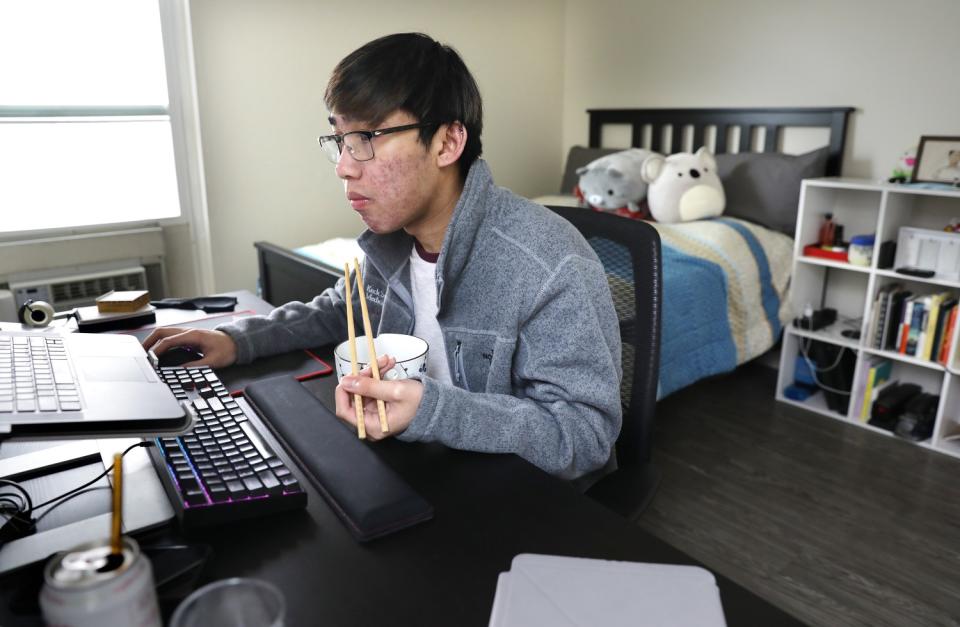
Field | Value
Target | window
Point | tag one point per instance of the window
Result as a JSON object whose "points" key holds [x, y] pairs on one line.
{"points": [[87, 131]]}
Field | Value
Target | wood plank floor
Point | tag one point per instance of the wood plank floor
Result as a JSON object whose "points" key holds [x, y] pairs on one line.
{"points": [[835, 524]]}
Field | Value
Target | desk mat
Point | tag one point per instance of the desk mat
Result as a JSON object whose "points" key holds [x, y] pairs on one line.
{"points": [[300, 365], [366, 494]]}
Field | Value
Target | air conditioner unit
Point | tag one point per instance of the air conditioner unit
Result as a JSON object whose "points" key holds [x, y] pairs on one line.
{"points": [[77, 287]]}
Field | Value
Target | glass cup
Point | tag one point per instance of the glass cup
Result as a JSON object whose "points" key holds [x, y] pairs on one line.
{"points": [[238, 602]]}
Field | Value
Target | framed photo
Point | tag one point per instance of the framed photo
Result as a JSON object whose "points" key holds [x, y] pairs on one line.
{"points": [[938, 160]]}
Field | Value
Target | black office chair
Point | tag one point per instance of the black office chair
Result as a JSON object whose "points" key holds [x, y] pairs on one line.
{"points": [[630, 253]]}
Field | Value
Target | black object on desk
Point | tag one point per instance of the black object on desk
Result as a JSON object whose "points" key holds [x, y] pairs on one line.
{"points": [[370, 498], [90, 320], [177, 356], [206, 304]]}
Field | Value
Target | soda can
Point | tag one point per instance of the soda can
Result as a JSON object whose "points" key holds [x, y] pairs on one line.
{"points": [[86, 587]]}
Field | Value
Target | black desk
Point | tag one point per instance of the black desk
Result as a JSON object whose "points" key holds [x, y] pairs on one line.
{"points": [[488, 509]]}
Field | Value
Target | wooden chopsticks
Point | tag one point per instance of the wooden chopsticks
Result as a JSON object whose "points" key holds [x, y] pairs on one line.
{"points": [[352, 339], [368, 331], [116, 520]]}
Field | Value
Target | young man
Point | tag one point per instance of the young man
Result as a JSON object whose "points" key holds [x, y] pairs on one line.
{"points": [[524, 342]]}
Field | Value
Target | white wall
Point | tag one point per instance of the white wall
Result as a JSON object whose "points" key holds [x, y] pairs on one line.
{"points": [[894, 61], [261, 71], [262, 68]]}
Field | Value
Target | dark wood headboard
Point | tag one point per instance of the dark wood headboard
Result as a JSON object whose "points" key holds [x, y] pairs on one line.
{"points": [[772, 119]]}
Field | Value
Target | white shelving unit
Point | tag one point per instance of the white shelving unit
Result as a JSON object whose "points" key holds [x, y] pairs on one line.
{"points": [[864, 207]]}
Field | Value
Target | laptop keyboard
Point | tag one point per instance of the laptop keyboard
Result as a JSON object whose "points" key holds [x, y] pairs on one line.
{"points": [[35, 375], [223, 469]]}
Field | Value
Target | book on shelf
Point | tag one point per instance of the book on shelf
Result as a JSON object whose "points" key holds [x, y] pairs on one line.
{"points": [[946, 308], [930, 328], [923, 325], [887, 303], [892, 326], [878, 315], [860, 385], [872, 324], [878, 372], [908, 306], [948, 336], [921, 312]]}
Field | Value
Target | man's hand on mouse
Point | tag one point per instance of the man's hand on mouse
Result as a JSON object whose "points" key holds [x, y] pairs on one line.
{"points": [[218, 348], [402, 398]]}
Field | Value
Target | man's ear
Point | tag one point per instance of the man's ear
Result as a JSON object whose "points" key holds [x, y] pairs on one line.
{"points": [[453, 139]]}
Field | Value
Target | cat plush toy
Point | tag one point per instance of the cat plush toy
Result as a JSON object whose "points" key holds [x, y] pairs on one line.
{"points": [[615, 183]]}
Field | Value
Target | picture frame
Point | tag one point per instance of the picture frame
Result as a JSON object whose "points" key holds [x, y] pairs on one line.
{"points": [[938, 160]]}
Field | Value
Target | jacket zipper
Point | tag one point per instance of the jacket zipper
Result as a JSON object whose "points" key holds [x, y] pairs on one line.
{"points": [[458, 364]]}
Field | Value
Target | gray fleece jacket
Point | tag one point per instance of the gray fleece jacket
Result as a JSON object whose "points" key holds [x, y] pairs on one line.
{"points": [[531, 335]]}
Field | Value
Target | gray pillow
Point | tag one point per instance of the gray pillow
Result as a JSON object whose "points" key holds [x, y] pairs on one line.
{"points": [[765, 187], [578, 157]]}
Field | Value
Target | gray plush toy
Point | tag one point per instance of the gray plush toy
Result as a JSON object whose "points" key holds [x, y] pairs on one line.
{"points": [[615, 182]]}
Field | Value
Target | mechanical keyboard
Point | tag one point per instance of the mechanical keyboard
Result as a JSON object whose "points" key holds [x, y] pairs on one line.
{"points": [[223, 469]]}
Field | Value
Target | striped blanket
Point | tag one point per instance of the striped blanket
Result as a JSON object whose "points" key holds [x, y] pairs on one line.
{"points": [[725, 298]]}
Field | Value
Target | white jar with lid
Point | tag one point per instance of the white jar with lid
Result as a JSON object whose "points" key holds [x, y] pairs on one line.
{"points": [[860, 252]]}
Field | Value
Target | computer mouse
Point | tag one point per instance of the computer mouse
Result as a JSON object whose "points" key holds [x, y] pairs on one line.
{"points": [[177, 356]]}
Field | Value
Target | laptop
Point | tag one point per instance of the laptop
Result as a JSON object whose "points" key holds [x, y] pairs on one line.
{"points": [[82, 384]]}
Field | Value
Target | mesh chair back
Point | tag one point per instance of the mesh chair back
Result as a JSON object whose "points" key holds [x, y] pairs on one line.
{"points": [[630, 253]]}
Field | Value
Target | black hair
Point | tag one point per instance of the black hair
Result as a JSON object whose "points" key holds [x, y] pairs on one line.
{"points": [[414, 73]]}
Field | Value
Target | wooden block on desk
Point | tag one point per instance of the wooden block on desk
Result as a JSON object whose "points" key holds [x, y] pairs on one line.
{"points": [[121, 302]]}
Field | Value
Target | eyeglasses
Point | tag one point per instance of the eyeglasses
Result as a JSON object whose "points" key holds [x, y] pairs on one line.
{"points": [[359, 143]]}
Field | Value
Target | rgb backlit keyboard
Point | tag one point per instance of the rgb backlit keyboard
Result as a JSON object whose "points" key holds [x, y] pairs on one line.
{"points": [[223, 469]]}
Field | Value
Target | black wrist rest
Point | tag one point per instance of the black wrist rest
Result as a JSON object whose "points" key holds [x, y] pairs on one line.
{"points": [[370, 498]]}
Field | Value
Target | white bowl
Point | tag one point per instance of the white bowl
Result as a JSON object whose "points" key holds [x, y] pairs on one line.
{"points": [[409, 351]]}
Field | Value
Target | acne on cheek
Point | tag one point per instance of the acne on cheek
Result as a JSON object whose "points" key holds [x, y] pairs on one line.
{"points": [[393, 179]]}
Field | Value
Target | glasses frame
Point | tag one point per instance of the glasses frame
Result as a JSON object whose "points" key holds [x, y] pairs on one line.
{"points": [[369, 135]]}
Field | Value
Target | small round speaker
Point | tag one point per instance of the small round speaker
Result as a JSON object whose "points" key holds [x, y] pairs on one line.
{"points": [[36, 313]]}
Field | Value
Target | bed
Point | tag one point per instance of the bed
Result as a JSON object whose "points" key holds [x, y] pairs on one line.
{"points": [[725, 280]]}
